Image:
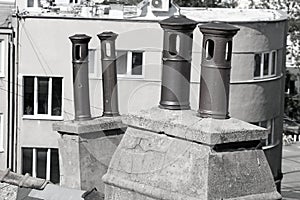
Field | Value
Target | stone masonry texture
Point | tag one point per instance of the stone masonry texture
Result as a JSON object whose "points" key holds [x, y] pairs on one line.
{"points": [[161, 157]]}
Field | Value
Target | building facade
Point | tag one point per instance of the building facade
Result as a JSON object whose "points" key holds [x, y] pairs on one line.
{"points": [[7, 128], [44, 69]]}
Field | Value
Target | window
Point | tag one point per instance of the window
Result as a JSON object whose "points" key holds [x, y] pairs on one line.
{"points": [[2, 57], [41, 163], [130, 63], [34, 3], [42, 97], [265, 64], [93, 72], [1, 132], [269, 125]]}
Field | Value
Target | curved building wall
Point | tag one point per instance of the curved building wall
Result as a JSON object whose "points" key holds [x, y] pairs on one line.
{"points": [[259, 98]]}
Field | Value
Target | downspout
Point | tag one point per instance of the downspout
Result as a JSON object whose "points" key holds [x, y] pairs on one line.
{"points": [[16, 98], [10, 100], [9, 113]]}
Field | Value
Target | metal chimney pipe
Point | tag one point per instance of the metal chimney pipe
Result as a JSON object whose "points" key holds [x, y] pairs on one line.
{"points": [[176, 58], [80, 76], [109, 74], [215, 69]]}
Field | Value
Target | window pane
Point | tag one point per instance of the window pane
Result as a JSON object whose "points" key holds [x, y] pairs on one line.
{"points": [[273, 62], [28, 95], [43, 95], [121, 62], [266, 63], [56, 96], [30, 3], [1, 48], [92, 61], [137, 62], [257, 59], [54, 168], [41, 163], [263, 124], [26, 160]]}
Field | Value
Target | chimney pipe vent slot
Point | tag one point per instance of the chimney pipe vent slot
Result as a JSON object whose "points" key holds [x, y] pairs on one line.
{"points": [[228, 51], [174, 44], [77, 52], [209, 49], [108, 49]]}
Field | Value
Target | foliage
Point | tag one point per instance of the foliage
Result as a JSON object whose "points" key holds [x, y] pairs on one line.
{"points": [[292, 7], [207, 3]]}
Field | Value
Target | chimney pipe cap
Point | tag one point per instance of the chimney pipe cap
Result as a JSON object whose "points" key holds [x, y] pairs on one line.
{"points": [[80, 38], [178, 22], [107, 35], [219, 28]]}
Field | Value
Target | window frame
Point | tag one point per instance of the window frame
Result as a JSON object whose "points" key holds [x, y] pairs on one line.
{"points": [[128, 73], [1, 132], [96, 72], [270, 65], [35, 104], [270, 126], [2, 57], [35, 161]]}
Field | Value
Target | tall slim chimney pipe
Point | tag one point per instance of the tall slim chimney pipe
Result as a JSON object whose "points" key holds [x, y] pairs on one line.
{"points": [[215, 69], [80, 76], [109, 74], [177, 56]]}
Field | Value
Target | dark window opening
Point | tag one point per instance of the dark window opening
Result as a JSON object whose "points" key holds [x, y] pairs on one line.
{"points": [[54, 166], [41, 166], [56, 96], [257, 59], [273, 62], [28, 95], [43, 85], [27, 161], [137, 62], [266, 64]]}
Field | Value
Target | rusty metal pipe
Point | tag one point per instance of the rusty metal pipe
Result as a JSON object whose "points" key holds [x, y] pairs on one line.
{"points": [[80, 76], [176, 59], [215, 69], [109, 74]]}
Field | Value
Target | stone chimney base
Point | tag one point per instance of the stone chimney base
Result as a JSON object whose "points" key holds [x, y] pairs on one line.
{"points": [[174, 155], [85, 149]]}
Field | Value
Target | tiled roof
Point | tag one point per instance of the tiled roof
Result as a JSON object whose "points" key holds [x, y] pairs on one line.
{"points": [[22, 180]]}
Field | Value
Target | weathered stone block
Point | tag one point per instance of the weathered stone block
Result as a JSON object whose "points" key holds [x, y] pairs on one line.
{"points": [[86, 148], [154, 162]]}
